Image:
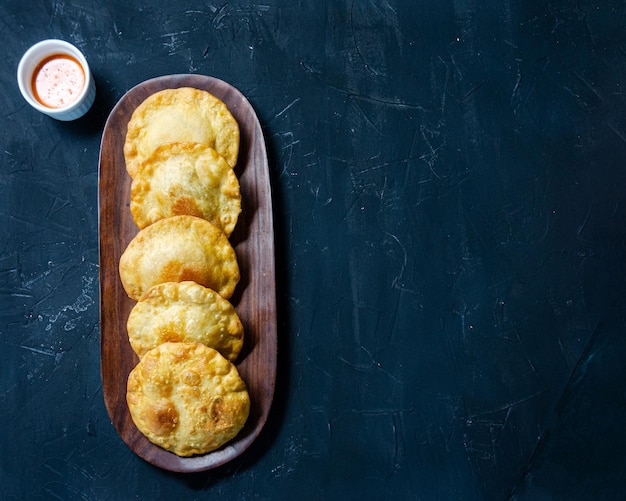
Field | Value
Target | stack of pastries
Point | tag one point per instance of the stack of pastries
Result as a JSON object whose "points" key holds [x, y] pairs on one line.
{"points": [[185, 394]]}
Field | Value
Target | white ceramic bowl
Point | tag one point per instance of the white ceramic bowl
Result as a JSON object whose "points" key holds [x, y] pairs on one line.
{"points": [[28, 64]]}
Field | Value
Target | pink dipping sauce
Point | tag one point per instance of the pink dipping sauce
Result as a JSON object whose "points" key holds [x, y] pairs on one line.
{"points": [[58, 81]]}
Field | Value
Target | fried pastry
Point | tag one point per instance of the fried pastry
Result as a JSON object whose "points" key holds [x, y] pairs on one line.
{"points": [[185, 312], [177, 249], [180, 115], [186, 178], [187, 398]]}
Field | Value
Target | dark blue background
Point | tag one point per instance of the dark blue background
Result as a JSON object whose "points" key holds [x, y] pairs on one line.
{"points": [[449, 185]]}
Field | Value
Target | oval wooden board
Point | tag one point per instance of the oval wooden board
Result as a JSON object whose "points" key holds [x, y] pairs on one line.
{"points": [[254, 298]]}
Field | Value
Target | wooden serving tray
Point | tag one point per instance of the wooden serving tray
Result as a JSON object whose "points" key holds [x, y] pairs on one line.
{"points": [[254, 298]]}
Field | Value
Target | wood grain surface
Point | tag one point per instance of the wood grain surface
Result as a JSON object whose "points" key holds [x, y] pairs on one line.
{"points": [[254, 298]]}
